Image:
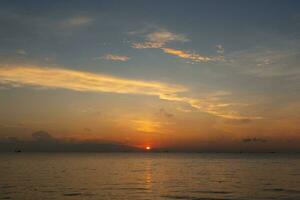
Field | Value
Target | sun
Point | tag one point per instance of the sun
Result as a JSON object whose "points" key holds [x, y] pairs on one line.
{"points": [[148, 147]]}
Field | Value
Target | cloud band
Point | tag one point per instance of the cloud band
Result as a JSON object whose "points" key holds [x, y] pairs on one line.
{"points": [[85, 81]]}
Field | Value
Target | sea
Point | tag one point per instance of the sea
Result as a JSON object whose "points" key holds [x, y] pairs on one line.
{"points": [[191, 176]]}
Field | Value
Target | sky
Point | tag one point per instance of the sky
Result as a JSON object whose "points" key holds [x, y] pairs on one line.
{"points": [[184, 75]]}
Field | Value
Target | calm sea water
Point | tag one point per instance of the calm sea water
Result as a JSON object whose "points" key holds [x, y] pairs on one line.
{"points": [[149, 176]]}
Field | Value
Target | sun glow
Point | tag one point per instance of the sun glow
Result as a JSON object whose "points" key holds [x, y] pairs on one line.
{"points": [[148, 148]]}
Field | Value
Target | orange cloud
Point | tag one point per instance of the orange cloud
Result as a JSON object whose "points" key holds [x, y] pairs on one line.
{"points": [[186, 55], [90, 82], [147, 126], [82, 81], [158, 40]]}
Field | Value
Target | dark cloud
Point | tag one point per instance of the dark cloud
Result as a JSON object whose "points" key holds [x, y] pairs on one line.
{"points": [[164, 113], [87, 129], [20, 124], [254, 140], [238, 121], [42, 136], [244, 121], [42, 141]]}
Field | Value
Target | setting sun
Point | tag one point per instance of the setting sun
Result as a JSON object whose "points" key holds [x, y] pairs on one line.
{"points": [[148, 148]]}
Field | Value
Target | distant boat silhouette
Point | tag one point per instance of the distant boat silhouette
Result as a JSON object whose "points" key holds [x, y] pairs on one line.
{"points": [[17, 151]]}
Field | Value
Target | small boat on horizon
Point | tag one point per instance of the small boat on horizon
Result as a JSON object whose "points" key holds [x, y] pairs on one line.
{"points": [[17, 151]]}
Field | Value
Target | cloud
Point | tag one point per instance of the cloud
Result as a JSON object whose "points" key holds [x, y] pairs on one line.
{"points": [[165, 36], [266, 62], [238, 122], [148, 126], [88, 129], [208, 106], [42, 141], [186, 55], [165, 113], [59, 78], [83, 81], [42, 136], [158, 39], [254, 140], [77, 21], [114, 57], [220, 49], [21, 52], [146, 45]]}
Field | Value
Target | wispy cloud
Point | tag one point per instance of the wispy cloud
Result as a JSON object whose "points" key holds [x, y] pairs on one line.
{"points": [[114, 57], [77, 21], [158, 39], [84, 81], [21, 52], [210, 106], [147, 125], [187, 55], [263, 62], [220, 49]]}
